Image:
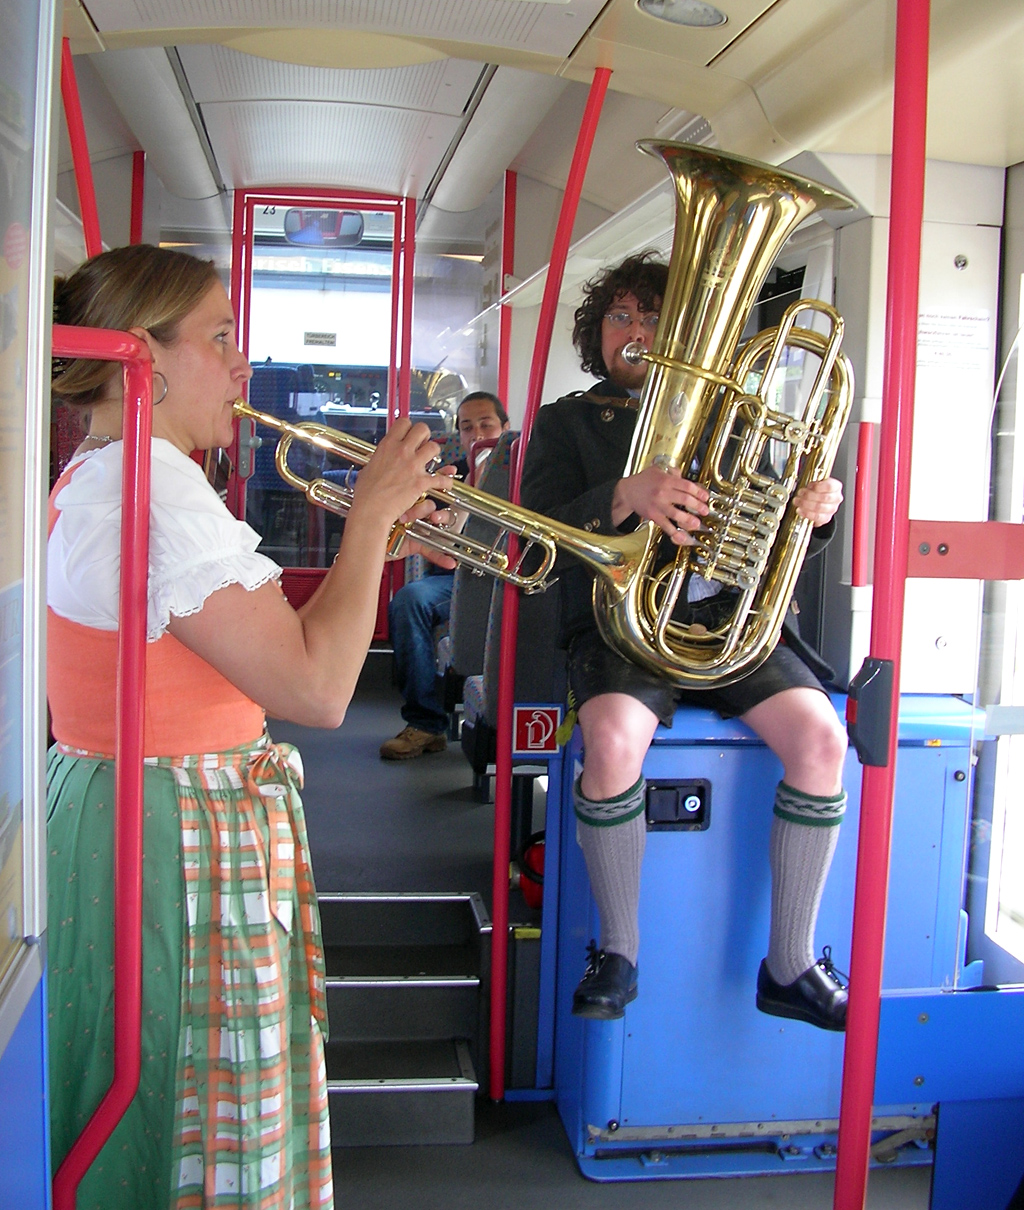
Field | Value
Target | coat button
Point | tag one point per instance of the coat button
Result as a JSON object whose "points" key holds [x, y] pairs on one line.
{"points": [[591, 525], [608, 414]]}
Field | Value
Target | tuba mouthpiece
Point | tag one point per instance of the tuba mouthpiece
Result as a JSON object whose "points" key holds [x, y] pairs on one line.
{"points": [[633, 353]]}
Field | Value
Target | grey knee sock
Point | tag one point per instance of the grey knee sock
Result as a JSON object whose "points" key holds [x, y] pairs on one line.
{"points": [[804, 835], [612, 833]]}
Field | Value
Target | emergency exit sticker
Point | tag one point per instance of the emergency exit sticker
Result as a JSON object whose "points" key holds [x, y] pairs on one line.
{"points": [[534, 730]]}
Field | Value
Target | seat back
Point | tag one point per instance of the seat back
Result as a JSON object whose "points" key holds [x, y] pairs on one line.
{"points": [[451, 451], [471, 594]]}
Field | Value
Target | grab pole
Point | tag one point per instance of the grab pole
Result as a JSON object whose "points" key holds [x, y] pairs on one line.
{"points": [[510, 598], [102, 345], [79, 152], [906, 210]]}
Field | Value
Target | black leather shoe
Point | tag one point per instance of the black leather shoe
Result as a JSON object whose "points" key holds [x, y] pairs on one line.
{"points": [[818, 997], [608, 985]]}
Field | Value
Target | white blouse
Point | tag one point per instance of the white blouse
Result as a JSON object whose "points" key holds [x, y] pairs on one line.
{"points": [[195, 545]]}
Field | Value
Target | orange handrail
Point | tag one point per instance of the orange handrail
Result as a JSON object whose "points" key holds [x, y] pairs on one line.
{"points": [[102, 345]]}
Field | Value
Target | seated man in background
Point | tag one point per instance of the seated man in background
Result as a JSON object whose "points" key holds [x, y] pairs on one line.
{"points": [[423, 604], [574, 473]]}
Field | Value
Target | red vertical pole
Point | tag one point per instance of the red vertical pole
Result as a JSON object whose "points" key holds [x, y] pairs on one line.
{"points": [[248, 243], [236, 485], [396, 312], [138, 196], [79, 152], [862, 504], [408, 272], [508, 257], [910, 103], [129, 750], [510, 600]]}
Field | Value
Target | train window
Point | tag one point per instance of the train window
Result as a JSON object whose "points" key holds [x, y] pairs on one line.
{"points": [[995, 878]]}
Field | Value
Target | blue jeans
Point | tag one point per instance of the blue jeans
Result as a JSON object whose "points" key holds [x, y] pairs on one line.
{"points": [[413, 613]]}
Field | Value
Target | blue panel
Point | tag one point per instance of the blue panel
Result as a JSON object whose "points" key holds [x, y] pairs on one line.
{"points": [[693, 1049], [959, 1045], [24, 1142], [979, 1154]]}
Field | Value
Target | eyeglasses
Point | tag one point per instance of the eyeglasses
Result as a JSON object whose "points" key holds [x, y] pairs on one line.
{"points": [[624, 319]]}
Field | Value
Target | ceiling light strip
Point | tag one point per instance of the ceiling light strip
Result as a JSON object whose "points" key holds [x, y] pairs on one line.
{"points": [[475, 97]]}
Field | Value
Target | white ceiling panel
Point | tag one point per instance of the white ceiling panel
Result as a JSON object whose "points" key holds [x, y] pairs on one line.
{"points": [[217, 73], [546, 28], [312, 143]]}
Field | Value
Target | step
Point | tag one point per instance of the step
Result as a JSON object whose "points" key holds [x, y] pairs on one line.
{"points": [[404, 966], [399, 1093]]}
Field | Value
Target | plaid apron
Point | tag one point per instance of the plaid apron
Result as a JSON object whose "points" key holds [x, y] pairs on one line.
{"points": [[232, 1106]]}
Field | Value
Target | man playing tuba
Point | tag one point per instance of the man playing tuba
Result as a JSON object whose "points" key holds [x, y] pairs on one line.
{"points": [[574, 473]]}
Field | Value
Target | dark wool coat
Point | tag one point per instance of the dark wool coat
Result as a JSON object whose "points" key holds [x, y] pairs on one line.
{"points": [[576, 454]]}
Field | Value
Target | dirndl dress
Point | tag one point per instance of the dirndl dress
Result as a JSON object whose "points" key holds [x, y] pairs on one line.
{"points": [[232, 1106]]}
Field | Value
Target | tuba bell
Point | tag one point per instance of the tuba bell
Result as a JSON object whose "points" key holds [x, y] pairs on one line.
{"points": [[703, 403], [705, 406]]}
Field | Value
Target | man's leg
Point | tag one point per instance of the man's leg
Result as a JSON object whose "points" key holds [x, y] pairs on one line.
{"points": [[612, 829], [413, 613], [801, 727]]}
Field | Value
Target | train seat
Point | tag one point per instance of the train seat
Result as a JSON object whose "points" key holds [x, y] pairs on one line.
{"points": [[471, 593]]}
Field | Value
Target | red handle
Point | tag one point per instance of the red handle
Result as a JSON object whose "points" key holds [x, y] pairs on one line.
{"points": [[79, 152], [103, 345], [510, 601]]}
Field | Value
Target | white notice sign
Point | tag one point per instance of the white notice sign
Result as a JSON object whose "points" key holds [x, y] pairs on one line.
{"points": [[956, 339], [321, 338]]}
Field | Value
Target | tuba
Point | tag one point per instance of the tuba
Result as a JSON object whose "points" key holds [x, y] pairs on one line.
{"points": [[703, 404]]}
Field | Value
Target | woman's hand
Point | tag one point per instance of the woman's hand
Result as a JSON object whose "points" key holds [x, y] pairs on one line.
{"points": [[663, 496], [424, 510], [819, 502], [396, 478]]}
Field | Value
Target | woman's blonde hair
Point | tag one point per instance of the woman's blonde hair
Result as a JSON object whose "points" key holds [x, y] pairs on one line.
{"points": [[136, 287]]}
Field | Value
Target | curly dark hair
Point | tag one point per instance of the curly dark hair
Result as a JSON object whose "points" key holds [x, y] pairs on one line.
{"points": [[642, 275]]}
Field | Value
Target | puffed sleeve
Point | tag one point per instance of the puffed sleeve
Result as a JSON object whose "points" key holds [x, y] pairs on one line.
{"points": [[195, 545]]}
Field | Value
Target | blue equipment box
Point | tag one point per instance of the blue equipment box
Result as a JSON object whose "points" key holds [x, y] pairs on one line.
{"points": [[694, 1081]]}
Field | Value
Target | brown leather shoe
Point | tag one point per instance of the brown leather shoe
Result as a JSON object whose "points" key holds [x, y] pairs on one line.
{"points": [[412, 742]]}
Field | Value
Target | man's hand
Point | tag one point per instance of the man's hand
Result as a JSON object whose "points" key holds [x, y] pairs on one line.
{"points": [[819, 502], [663, 496]]}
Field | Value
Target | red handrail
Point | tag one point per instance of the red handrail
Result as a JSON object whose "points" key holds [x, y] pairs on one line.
{"points": [[507, 269], [910, 104], [138, 197], [79, 152], [510, 600], [134, 355], [862, 504]]}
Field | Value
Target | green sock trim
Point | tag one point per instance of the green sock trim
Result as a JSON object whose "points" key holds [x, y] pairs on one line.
{"points": [[609, 812], [809, 810], [611, 823]]}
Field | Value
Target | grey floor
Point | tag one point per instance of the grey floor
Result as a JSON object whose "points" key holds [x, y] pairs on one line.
{"points": [[417, 826]]}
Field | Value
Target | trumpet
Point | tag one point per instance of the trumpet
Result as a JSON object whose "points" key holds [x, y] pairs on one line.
{"points": [[616, 559]]}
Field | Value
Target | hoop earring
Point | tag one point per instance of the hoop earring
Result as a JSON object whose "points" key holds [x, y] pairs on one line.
{"points": [[163, 393]]}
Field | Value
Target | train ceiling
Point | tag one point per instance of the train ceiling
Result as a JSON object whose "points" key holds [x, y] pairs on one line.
{"points": [[382, 94]]}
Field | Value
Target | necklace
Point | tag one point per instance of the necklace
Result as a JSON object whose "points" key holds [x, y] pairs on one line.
{"points": [[101, 438]]}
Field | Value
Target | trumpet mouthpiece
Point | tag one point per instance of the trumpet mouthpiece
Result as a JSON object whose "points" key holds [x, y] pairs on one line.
{"points": [[633, 353]]}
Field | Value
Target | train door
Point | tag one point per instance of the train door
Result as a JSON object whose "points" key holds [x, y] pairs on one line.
{"points": [[322, 284]]}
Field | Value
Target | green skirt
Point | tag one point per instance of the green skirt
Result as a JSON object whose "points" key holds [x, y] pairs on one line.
{"points": [[232, 1106]]}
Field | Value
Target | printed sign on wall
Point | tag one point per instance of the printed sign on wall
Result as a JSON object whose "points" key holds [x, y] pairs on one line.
{"points": [[534, 730]]}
